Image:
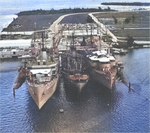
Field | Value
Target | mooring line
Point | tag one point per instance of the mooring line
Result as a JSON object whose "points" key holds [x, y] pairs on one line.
{"points": [[132, 89]]}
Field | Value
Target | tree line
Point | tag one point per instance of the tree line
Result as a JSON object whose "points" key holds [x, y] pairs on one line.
{"points": [[127, 3], [65, 11]]}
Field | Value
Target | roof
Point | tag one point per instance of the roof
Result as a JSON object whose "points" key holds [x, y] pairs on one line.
{"points": [[14, 50], [42, 71], [111, 58], [15, 43], [102, 52], [94, 58], [142, 42], [104, 59]]}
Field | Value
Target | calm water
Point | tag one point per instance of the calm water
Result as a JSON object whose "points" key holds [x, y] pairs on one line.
{"points": [[6, 20], [15, 6], [92, 110]]}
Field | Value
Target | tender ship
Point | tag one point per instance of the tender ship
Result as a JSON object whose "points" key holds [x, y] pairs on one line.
{"points": [[73, 68]]}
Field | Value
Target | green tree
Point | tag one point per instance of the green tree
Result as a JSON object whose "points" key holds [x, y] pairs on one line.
{"points": [[127, 20], [115, 20], [89, 19], [100, 9], [106, 38], [108, 9], [130, 40], [133, 18]]}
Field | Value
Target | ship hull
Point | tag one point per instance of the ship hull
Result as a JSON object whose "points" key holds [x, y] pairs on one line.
{"points": [[79, 84], [41, 93], [21, 77], [106, 79]]}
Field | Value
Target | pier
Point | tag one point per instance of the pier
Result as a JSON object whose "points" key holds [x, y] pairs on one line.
{"points": [[60, 30], [141, 44]]}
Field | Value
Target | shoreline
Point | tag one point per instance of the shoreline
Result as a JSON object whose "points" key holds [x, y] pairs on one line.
{"points": [[15, 29], [129, 24], [127, 3], [6, 20]]}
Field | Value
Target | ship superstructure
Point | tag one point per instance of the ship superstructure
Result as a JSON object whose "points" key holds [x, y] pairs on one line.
{"points": [[103, 67], [73, 68], [43, 76]]}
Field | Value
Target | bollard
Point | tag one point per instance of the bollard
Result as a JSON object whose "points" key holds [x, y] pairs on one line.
{"points": [[129, 86], [14, 92], [61, 110]]}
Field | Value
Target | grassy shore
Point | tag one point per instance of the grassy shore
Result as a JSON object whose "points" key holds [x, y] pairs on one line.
{"points": [[123, 24], [31, 22]]}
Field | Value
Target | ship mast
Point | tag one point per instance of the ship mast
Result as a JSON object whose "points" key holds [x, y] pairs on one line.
{"points": [[99, 45], [44, 54], [91, 36], [42, 41], [73, 39], [34, 34]]}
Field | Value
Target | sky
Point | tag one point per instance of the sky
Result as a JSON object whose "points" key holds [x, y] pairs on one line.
{"points": [[15, 6]]}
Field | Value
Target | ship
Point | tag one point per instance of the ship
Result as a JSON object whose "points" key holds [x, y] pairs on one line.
{"points": [[42, 82], [21, 78], [101, 65], [73, 68], [41, 73], [103, 68]]}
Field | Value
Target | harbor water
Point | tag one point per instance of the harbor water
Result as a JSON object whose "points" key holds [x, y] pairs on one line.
{"points": [[92, 110]]}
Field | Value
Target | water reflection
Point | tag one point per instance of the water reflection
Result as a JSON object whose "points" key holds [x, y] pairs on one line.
{"points": [[83, 110], [8, 66]]}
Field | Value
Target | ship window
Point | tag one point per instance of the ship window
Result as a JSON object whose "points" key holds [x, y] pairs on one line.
{"points": [[52, 67], [105, 62]]}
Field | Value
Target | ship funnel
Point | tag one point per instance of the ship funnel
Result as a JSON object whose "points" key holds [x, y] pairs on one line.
{"points": [[44, 55], [43, 47], [83, 43]]}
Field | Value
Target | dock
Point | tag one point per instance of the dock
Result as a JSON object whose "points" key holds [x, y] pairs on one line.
{"points": [[59, 34]]}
